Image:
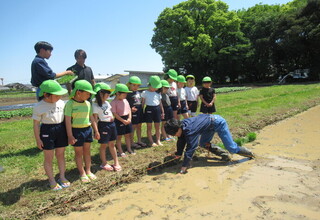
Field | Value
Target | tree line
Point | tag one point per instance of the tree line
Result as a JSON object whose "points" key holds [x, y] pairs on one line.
{"points": [[258, 44]]}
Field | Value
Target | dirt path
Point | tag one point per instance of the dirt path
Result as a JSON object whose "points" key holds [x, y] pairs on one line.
{"points": [[283, 182]]}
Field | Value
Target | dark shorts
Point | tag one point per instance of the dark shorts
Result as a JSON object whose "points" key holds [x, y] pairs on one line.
{"points": [[83, 135], [168, 113], [122, 128], [204, 109], [137, 117], [174, 103], [108, 132], [53, 136], [192, 105], [152, 114], [183, 107]]}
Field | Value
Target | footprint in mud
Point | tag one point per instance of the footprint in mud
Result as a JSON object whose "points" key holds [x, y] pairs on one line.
{"points": [[185, 197]]}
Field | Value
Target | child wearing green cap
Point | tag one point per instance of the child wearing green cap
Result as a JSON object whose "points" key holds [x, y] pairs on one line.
{"points": [[183, 107], [50, 131], [154, 109], [168, 113], [192, 94], [107, 131], [135, 100], [79, 119], [171, 77], [207, 96], [122, 112]]}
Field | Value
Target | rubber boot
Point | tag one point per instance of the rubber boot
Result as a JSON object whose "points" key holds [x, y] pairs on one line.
{"points": [[224, 154], [245, 152]]}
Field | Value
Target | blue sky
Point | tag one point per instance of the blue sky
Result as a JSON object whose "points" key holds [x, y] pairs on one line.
{"points": [[115, 34]]}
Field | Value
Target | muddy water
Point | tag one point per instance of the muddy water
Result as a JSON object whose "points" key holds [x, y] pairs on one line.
{"points": [[283, 182]]}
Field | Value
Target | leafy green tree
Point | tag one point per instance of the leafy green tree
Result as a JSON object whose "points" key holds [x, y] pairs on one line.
{"points": [[201, 37]]}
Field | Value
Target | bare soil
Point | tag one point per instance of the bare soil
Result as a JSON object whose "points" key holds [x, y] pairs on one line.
{"points": [[283, 182]]}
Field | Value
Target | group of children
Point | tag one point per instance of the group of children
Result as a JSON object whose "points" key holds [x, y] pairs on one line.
{"points": [[76, 122]]}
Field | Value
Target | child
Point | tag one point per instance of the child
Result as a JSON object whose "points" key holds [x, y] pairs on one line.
{"points": [[153, 110], [183, 109], [134, 99], [40, 71], [51, 134], [122, 113], [207, 96], [192, 93], [78, 114], [107, 132], [171, 77], [168, 114]]}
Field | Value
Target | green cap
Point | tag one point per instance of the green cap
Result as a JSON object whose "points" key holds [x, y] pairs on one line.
{"points": [[82, 85], [102, 86], [172, 74], [165, 83], [135, 80], [121, 88], [155, 82], [52, 87], [181, 79], [206, 79], [190, 76]]}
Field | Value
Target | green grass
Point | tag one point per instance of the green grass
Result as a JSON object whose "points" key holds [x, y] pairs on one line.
{"points": [[24, 190]]}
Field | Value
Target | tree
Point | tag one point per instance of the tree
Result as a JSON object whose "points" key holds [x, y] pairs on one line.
{"points": [[201, 37]]}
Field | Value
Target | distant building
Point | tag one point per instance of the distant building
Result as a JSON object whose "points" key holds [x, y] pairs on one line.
{"points": [[144, 76], [19, 86], [112, 80]]}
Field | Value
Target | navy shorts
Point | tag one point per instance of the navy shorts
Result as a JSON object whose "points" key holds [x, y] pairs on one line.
{"points": [[122, 128], [168, 113], [192, 105], [183, 107], [53, 136], [174, 103], [204, 109], [137, 117], [107, 131], [152, 114], [83, 135]]}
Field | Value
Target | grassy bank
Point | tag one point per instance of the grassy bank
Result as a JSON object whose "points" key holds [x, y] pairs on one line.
{"points": [[24, 192]]}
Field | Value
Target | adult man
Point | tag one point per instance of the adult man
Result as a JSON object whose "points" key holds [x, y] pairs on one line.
{"points": [[203, 126], [80, 69]]}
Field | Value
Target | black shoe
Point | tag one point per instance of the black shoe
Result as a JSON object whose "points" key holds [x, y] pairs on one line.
{"points": [[245, 152]]}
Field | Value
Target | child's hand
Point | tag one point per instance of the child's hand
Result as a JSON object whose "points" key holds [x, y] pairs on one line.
{"points": [[134, 109], [97, 135], [72, 140], [69, 72], [40, 144]]}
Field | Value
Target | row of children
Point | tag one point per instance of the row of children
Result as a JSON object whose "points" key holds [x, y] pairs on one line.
{"points": [[57, 124]]}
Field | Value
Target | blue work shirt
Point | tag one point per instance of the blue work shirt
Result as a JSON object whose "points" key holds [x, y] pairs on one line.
{"points": [[194, 127], [40, 71]]}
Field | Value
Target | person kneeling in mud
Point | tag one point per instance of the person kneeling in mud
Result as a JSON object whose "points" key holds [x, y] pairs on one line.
{"points": [[189, 130]]}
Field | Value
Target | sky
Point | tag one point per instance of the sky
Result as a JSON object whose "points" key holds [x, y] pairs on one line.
{"points": [[116, 35]]}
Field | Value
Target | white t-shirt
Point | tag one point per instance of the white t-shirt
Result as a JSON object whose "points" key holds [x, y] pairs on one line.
{"points": [[172, 91], [181, 94], [192, 93], [151, 98], [49, 113], [104, 112]]}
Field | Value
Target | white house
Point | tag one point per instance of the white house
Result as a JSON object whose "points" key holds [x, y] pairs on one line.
{"points": [[143, 75]]}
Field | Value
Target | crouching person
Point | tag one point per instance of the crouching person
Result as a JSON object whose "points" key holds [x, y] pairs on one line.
{"points": [[204, 126]]}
